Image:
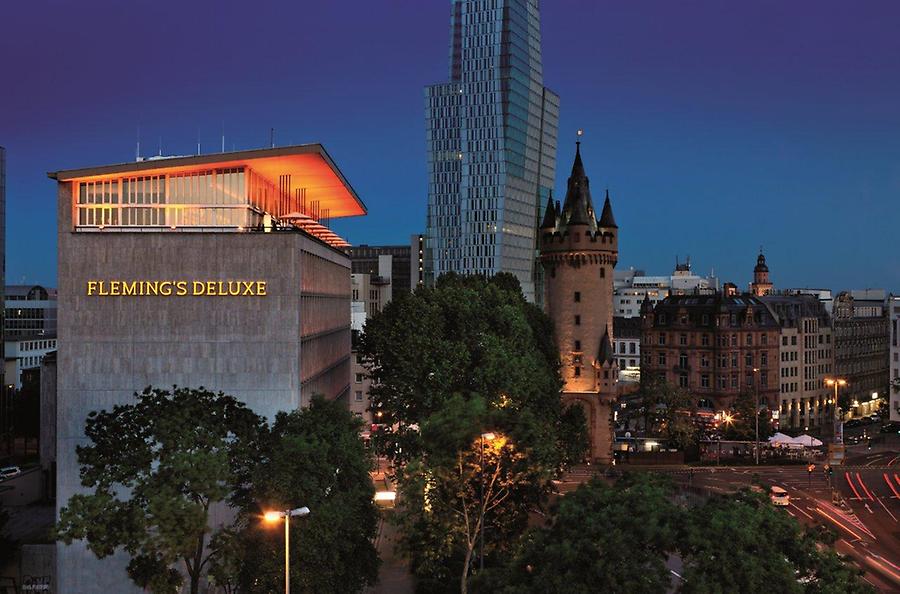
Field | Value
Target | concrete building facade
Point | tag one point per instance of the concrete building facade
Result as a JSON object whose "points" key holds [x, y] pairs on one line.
{"points": [[579, 253], [213, 271]]}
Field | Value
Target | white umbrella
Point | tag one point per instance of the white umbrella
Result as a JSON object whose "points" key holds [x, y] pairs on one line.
{"points": [[808, 441]]}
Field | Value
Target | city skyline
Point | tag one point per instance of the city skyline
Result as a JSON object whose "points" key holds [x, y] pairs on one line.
{"points": [[718, 129]]}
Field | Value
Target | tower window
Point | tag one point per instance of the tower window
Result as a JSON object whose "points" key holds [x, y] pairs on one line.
{"points": [[578, 372], [577, 345], [577, 296], [578, 320]]}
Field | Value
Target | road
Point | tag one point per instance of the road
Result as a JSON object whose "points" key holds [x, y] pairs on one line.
{"points": [[861, 500]]}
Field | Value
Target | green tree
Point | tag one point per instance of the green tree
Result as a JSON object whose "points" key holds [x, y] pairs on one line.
{"points": [[744, 544], [668, 412], [467, 481], [468, 335], [602, 539], [743, 425], [155, 468], [314, 458]]}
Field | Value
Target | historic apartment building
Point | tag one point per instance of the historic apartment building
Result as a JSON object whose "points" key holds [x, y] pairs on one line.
{"points": [[806, 355], [578, 253], [212, 270], [711, 345], [894, 305], [862, 348]]}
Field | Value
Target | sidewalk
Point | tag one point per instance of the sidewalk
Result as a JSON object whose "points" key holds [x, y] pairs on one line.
{"points": [[393, 576]]}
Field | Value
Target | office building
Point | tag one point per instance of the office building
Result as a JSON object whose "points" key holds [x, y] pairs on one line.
{"points": [[212, 270], [632, 286], [491, 142], [862, 349], [806, 355], [579, 253], [365, 259], [894, 304]]}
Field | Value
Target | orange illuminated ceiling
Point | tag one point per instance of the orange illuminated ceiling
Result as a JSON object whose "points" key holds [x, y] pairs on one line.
{"points": [[309, 166]]}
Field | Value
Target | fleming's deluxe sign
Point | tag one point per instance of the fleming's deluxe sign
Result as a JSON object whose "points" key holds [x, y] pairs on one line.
{"points": [[177, 288]]}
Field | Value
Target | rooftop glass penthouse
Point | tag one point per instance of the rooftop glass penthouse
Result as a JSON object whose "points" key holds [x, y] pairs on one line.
{"points": [[261, 189]]}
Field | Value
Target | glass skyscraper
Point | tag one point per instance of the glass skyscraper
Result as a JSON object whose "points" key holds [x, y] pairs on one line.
{"points": [[491, 135]]}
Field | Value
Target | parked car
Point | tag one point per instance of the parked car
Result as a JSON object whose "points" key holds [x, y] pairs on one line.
{"points": [[779, 496], [10, 471], [892, 427]]}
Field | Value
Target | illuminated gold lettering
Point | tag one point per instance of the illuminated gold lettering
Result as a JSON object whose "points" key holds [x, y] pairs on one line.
{"points": [[152, 287], [261, 288], [102, 292], [248, 288], [234, 288], [165, 288], [181, 288], [220, 289], [198, 288], [211, 288], [114, 287], [128, 288], [91, 287]]}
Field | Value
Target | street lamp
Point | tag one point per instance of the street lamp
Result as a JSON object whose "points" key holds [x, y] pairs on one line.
{"points": [[275, 516], [756, 411], [837, 445], [490, 437]]}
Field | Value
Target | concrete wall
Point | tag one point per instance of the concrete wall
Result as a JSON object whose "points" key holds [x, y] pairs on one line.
{"points": [[273, 352]]}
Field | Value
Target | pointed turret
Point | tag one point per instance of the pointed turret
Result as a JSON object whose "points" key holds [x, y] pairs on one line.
{"points": [[605, 354], [578, 209], [607, 219], [549, 214]]}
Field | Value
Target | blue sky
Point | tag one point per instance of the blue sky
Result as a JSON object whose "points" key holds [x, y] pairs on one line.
{"points": [[718, 126]]}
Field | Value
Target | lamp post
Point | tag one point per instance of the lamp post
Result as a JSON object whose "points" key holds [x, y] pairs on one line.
{"points": [[274, 516], [756, 411], [837, 446], [489, 437]]}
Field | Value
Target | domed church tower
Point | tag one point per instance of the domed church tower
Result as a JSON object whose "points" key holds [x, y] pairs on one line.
{"points": [[578, 253], [761, 285]]}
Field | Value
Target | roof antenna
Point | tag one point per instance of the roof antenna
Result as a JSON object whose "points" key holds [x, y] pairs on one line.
{"points": [[223, 136], [159, 147], [198, 141], [137, 151], [271, 137]]}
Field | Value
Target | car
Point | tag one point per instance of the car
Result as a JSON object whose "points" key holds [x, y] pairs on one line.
{"points": [[779, 496], [892, 427], [10, 471]]}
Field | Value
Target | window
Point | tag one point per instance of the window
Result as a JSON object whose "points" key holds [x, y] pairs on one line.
{"points": [[632, 349], [359, 378], [578, 320], [683, 380], [577, 296], [662, 338], [704, 340], [359, 395], [662, 359], [734, 380], [704, 381], [764, 339], [704, 361], [749, 340], [793, 341], [682, 339], [734, 340], [784, 340], [764, 358], [577, 345], [683, 361], [748, 359], [662, 318], [578, 372], [705, 319]]}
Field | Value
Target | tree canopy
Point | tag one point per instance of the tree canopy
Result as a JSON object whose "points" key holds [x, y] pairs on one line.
{"points": [[313, 458], [155, 468]]}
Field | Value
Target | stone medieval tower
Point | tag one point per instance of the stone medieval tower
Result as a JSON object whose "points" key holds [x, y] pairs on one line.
{"points": [[578, 253]]}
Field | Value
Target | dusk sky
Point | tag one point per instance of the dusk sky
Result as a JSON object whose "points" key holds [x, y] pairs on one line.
{"points": [[718, 126]]}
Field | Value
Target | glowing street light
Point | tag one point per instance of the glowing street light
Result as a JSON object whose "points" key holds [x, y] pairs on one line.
{"points": [[275, 516], [837, 446]]}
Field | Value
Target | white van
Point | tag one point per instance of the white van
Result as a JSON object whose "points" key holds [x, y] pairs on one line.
{"points": [[9, 471], [779, 496]]}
